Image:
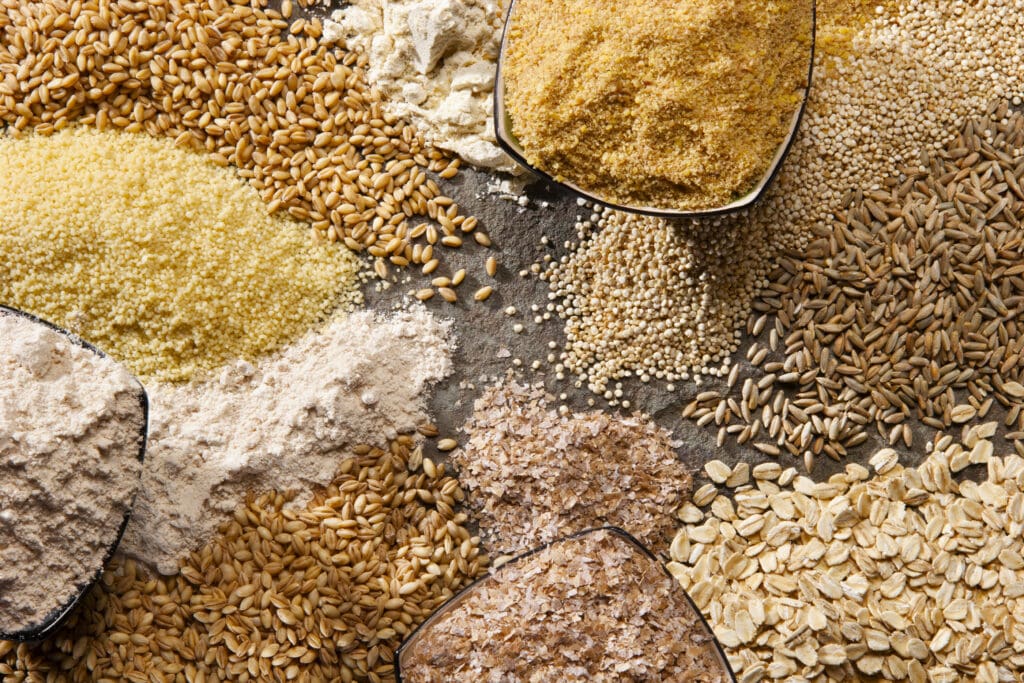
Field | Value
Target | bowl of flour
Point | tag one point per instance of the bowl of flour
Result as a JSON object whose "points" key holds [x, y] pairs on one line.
{"points": [[72, 438]]}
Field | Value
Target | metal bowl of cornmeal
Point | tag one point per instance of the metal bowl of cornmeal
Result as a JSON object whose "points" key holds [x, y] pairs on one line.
{"points": [[745, 197]]}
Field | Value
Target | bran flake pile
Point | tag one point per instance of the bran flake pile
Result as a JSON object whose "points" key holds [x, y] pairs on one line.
{"points": [[534, 475], [592, 608]]}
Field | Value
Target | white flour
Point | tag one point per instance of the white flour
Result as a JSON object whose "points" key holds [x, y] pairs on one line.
{"points": [[70, 426], [435, 60], [279, 425]]}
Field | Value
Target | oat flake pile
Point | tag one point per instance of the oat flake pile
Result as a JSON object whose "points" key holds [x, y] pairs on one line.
{"points": [[380, 366]]}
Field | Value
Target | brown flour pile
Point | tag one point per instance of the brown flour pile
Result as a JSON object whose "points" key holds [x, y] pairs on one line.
{"points": [[593, 608], [70, 424], [534, 475], [281, 424]]}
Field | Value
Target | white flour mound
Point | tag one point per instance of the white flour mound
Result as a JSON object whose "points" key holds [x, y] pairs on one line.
{"points": [[435, 60], [70, 429], [281, 424]]}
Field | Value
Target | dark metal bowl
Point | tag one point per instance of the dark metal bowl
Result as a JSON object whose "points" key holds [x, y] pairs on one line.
{"points": [[467, 591], [57, 617], [510, 143]]}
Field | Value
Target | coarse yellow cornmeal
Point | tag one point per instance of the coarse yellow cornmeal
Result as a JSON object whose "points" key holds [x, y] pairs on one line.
{"points": [[676, 105], [155, 254]]}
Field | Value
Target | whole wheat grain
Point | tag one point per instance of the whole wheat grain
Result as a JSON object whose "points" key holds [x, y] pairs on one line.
{"points": [[322, 593]]}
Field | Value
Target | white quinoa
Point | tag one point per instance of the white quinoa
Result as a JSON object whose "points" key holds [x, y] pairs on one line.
{"points": [[911, 76]]}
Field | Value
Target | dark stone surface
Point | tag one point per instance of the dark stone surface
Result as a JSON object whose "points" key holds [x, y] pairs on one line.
{"points": [[487, 343]]}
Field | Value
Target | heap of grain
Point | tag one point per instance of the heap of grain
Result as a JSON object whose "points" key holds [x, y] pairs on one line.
{"points": [[535, 475], [591, 608], [156, 255], [904, 310], [677, 106], [252, 90], [323, 593]]}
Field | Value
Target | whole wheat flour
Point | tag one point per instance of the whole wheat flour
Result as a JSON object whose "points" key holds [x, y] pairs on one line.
{"points": [[534, 474], [280, 424], [70, 429], [435, 60]]}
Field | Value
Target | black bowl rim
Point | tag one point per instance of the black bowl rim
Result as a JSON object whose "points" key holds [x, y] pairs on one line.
{"points": [[618, 531], [58, 616], [505, 138]]}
